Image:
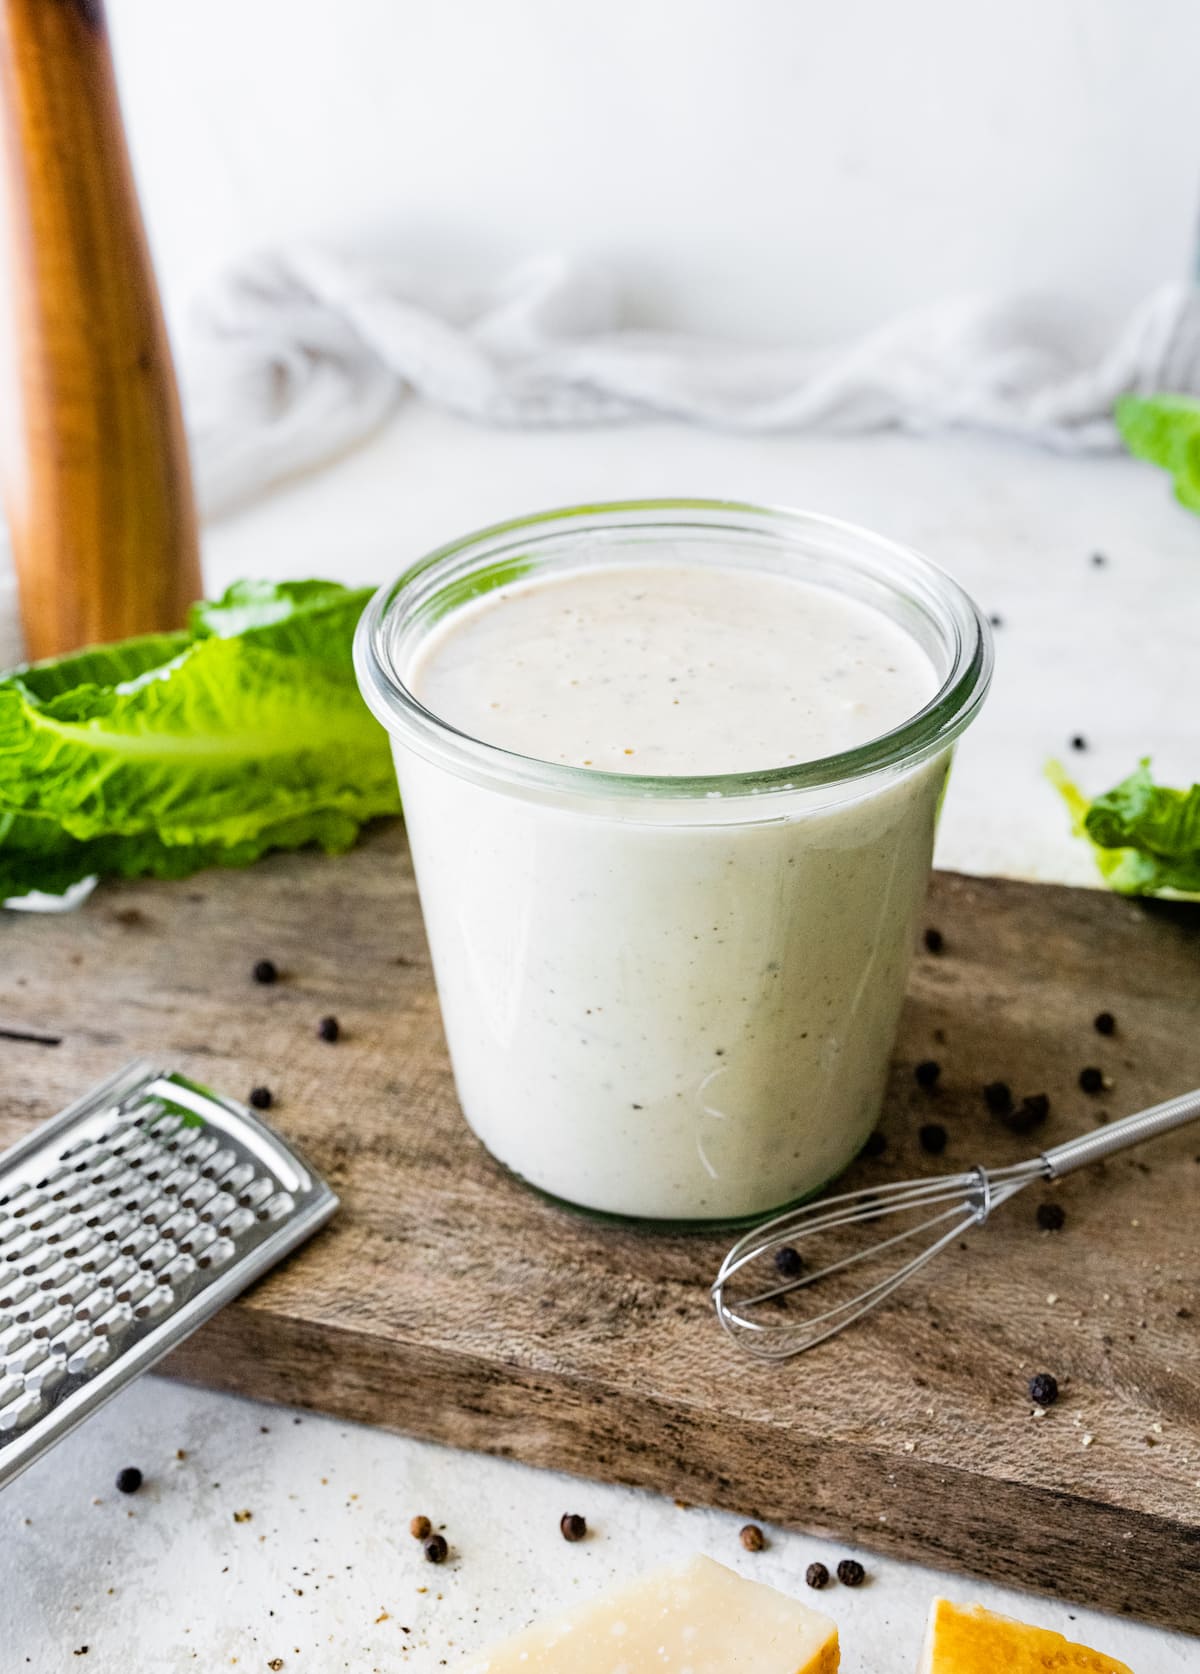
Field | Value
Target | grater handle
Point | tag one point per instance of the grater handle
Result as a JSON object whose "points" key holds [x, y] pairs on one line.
{"points": [[1119, 1136]]}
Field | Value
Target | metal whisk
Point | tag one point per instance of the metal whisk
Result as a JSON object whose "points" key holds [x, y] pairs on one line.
{"points": [[765, 1324]]}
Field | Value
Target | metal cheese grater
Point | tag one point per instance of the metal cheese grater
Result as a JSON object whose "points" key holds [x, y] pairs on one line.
{"points": [[125, 1222]]}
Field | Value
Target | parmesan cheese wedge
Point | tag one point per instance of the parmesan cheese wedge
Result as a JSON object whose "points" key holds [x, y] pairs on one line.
{"points": [[693, 1618], [972, 1640]]}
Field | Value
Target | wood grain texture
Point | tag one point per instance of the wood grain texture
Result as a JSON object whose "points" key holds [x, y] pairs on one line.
{"points": [[92, 452], [448, 1301]]}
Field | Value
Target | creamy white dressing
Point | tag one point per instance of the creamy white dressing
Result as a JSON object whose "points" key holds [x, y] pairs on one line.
{"points": [[671, 670], [677, 1012]]}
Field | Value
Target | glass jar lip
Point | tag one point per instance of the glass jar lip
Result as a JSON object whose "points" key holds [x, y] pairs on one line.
{"points": [[926, 733]]}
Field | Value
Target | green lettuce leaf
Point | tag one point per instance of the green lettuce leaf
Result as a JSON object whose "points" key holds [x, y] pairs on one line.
{"points": [[1165, 429], [37, 854], [161, 755], [1146, 837], [102, 665], [303, 618]]}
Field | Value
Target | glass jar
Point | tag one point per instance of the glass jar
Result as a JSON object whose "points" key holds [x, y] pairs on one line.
{"points": [[673, 997]]}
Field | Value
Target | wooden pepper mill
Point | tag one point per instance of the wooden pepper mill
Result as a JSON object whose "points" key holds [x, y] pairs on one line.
{"points": [[92, 451]]}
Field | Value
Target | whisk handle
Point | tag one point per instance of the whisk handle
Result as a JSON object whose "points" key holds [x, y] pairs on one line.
{"points": [[1119, 1136]]}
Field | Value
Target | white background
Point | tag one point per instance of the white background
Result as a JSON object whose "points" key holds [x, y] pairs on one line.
{"points": [[773, 169]]}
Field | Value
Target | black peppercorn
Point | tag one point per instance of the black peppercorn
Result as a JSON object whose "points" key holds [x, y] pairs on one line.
{"points": [[1078, 741], [997, 1095], [1043, 1389], [435, 1549], [1050, 1216], [789, 1263], [933, 1138], [329, 1029], [752, 1537], [1029, 1114], [927, 1072], [996, 620], [1098, 560], [129, 1480], [876, 1145], [935, 942], [261, 1098], [265, 970], [572, 1525], [817, 1576], [1091, 1079], [851, 1573], [1104, 1023]]}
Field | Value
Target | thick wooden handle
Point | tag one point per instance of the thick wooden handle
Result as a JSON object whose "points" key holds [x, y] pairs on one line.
{"points": [[92, 452]]}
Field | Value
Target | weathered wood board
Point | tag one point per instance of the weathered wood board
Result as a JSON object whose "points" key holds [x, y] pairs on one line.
{"points": [[448, 1301]]}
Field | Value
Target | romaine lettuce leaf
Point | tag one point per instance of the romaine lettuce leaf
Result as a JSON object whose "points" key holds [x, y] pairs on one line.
{"points": [[102, 665], [1165, 429], [1146, 837], [210, 747], [304, 618], [37, 849]]}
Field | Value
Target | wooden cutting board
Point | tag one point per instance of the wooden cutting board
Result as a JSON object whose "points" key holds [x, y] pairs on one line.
{"points": [[448, 1301]]}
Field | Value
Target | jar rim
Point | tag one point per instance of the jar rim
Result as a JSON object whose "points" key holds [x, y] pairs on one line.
{"points": [[927, 732]]}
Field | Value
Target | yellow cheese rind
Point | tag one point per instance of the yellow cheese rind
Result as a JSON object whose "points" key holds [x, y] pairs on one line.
{"points": [[971, 1640], [693, 1618]]}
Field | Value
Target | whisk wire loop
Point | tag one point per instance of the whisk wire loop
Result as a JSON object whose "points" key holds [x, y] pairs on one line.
{"points": [[960, 1201]]}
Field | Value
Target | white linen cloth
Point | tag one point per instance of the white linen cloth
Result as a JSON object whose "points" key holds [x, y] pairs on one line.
{"points": [[296, 356]]}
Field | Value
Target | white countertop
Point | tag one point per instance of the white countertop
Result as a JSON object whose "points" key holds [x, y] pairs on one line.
{"points": [[324, 1574]]}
